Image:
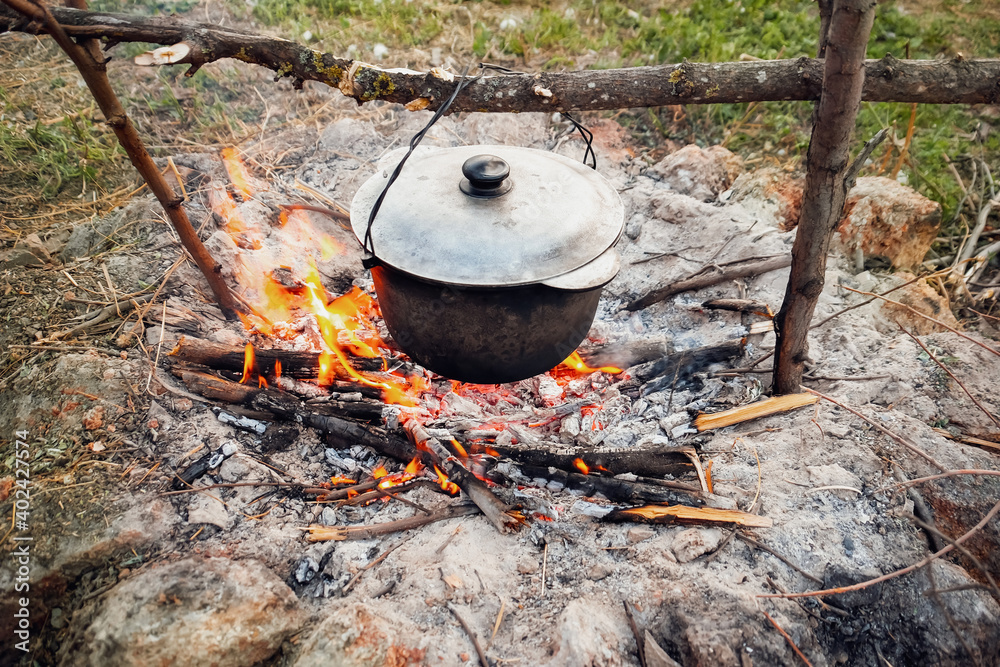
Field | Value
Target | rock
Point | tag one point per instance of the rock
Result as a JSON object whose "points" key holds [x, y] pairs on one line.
{"points": [[655, 655], [892, 221], [638, 534], [91, 237], [15, 257], [774, 193], [196, 611], [921, 297], [591, 632], [233, 470], [599, 571], [693, 542], [527, 566], [697, 172], [57, 618], [204, 509], [353, 637]]}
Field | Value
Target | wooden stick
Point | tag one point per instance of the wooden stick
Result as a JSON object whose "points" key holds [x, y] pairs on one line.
{"points": [[827, 182], [639, 644], [713, 276], [768, 406], [684, 514], [93, 70], [898, 573], [493, 509], [472, 635], [318, 533], [956, 80], [787, 639], [615, 489]]}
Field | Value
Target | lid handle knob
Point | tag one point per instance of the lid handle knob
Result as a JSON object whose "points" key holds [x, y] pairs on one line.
{"points": [[485, 177]]}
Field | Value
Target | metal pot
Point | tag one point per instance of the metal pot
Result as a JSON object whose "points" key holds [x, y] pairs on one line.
{"points": [[488, 261]]}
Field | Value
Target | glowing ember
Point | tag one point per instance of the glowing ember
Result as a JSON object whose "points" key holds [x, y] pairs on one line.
{"points": [[248, 361], [575, 361], [337, 479], [581, 466], [237, 171]]}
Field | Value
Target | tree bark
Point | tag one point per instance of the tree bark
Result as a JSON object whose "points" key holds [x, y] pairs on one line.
{"points": [[955, 81], [92, 67], [826, 185]]}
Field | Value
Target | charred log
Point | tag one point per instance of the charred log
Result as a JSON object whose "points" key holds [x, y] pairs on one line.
{"points": [[613, 488]]}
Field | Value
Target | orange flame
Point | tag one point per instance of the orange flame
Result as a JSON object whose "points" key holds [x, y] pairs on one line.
{"points": [[575, 361], [445, 483], [581, 466], [261, 382], [414, 466], [248, 361], [459, 449], [237, 171], [277, 368], [379, 472]]}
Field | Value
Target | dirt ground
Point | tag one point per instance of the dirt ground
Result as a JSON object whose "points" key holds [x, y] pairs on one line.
{"points": [[121, 573]]}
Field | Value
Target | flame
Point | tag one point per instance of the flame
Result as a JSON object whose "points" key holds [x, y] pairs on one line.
{"points": [[337, 479], [581, 466], [277, 368], [379, 472], [445, 483], [459, 449], [575, 361], [237, 171], [248, 360], [261, 382], [414, 466]]}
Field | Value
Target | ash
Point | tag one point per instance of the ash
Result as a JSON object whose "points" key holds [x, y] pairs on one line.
{"points": [[227, 576]]}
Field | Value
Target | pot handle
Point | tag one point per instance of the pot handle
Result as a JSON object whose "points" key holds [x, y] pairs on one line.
{"points": [[595, 273]]}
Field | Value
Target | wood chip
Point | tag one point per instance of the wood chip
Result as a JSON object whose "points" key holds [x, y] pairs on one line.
{"points": [[768, 406], [672, 513]]}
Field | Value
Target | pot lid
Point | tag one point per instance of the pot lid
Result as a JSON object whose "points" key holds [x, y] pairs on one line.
{"points": [[488, 216]]}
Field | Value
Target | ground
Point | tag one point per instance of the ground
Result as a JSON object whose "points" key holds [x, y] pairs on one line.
{"points": [[114, 560]]}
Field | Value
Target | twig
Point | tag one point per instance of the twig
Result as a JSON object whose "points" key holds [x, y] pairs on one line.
{"points": [[898, 573], [748, 267], [159, 345], [898, 438], [102, 315], [496, 624], [950, 473], [787, 638], [545, 560], [323, 533], [639, 643], [385, 554], [472, 635], [926, 317], [931, 528], [763, 547], [950, 374]]}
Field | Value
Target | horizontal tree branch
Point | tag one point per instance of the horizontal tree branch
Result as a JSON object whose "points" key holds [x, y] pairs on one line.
{"points": [[952, 81]]}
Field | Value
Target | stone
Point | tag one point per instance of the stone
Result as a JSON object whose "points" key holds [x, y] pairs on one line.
{"points": [[591, 631], [204, 509], [891, 220], [637, 534], [14, 257], [772, 193], [599, 571], [195, 611], [527, 566], [701, 173], [353, 636], [233, 470], [923, 298], [693, 542]]}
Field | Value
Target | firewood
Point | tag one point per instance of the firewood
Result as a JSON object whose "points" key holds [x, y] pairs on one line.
{"points": [[740, 306], [477, 491], [613, 488], [656, 375], [230, 357], [647, 462], [692, 515], [768, 406], [319, 533]]}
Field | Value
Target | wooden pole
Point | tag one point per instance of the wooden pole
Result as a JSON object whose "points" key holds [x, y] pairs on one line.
{"points": [[826, 184], [92, 66]]}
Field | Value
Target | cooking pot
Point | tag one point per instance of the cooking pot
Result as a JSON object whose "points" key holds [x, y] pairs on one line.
{"points": [[488, 261]]}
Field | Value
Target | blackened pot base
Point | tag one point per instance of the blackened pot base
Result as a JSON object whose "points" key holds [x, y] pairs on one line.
{"points": [[483, 335]]}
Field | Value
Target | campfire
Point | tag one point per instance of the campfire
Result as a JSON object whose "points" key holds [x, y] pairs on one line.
{"points": [[327, 360]]}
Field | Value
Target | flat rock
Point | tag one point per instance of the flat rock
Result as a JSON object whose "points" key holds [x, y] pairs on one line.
{"points": [[923, 298], [354, 637], [14, 257], [196, 611]]}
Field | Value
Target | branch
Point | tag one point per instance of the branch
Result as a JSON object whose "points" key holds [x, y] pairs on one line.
{"points": [[954, 81], [92, 67], [826, 185]]}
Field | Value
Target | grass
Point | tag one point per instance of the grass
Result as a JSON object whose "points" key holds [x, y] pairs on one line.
{"points": [[217, 104]]}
